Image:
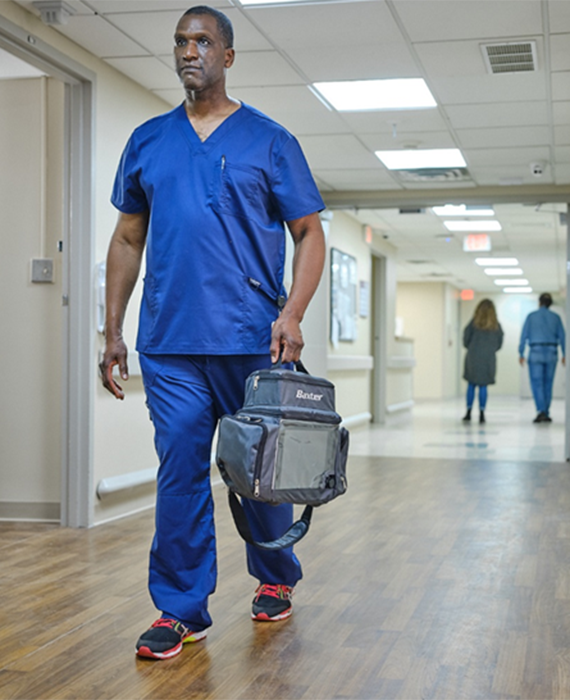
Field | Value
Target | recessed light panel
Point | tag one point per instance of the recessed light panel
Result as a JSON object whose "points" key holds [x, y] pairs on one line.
{"points": [[462, 210], [472, 226], [367, 95], [499, 262], [517, 290], [412, 158], [517, 283], [503, 271]]}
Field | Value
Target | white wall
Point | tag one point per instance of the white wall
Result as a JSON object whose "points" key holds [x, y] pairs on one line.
{"points": [[512, 309]]}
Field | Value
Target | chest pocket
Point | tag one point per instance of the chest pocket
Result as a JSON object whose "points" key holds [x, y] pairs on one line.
{"points": [[240, 191]]}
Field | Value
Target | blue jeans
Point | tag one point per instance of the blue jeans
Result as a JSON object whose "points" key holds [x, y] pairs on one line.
{"points": [[541, 381], [186, 395], [482, 396]]}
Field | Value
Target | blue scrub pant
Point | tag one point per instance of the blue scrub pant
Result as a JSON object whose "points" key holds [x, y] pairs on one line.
{"points": [[471, 396], [541, 381], [186, 395]]}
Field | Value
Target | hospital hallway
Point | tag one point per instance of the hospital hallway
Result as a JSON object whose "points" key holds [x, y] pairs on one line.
{"points": [[442, 573]]}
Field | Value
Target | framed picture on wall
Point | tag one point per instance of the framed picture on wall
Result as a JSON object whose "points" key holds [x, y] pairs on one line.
{"points": [[343, 296]]}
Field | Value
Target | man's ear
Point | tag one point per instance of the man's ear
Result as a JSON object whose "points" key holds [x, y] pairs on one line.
{"points": [[230, 58]]}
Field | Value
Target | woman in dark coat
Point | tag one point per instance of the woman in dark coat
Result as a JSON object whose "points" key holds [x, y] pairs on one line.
{"points": [[482, 337]]}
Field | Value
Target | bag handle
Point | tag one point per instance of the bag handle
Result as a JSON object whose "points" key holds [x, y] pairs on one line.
{"points": [[299, 366], [296, 532]]}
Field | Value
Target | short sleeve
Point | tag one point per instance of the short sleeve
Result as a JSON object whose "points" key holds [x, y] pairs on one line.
{"points": [[128, 195], [292, 183]]}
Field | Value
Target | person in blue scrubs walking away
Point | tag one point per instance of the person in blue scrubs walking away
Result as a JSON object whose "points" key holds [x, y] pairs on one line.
{"points": [[544, 332], [482, 337], [206, 189]]}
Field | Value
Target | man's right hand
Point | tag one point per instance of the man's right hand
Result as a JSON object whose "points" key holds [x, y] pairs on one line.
{"points": [[521, 361], [115, 354]]}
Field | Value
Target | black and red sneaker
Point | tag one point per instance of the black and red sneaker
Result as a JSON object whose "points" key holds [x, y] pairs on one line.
{"points": [[272, 603], [164, 639]]}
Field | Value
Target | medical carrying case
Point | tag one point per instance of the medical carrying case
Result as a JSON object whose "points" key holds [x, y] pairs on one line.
{"points": [[286, 445]]}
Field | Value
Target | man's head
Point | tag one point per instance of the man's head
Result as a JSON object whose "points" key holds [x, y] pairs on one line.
{"points": [[545, 300], [203, 51], [224, 25]]}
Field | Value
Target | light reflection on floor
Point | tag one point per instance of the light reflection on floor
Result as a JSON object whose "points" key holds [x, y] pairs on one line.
{"points": [[435, 429]]}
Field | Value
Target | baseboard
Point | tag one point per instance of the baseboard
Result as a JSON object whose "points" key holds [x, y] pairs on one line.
{"points": [[403, 406], [30, 511], [356, 419]]}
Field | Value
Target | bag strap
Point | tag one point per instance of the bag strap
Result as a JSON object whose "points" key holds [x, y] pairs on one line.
{"points": [[296, 532]]}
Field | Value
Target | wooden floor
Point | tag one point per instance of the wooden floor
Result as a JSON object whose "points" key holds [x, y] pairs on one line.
{"points": [[428, 579]]}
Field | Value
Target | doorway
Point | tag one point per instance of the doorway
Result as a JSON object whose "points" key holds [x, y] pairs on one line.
{"points": [[66, 399]]}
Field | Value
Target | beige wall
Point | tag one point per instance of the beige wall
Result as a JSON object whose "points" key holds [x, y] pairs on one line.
{"points": [[352, 385], [430, 317], [31, 157]]}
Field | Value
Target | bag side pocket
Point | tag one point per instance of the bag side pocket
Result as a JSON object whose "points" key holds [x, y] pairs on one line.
{"points": [[239, 453]]}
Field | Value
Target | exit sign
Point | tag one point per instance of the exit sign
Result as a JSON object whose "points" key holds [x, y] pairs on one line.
{"points": [[477, 243]]}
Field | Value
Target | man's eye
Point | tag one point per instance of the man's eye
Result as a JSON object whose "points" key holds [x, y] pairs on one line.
{"points": [[179, 42], [203, 40]]}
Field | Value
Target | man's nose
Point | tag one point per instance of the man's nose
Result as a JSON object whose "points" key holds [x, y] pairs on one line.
{"points": [[190, 50]]}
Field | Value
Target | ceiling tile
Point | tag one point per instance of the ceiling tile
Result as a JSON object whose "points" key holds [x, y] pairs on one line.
{"points": [[342, 152], [505, 156], [489, 88], [560, 52], [379, 60], [155, 30], [561, 86], [261, 68], [504, 137], [561, 113], [497, 114], [148, 71], [357, 179], [487, 175], [405, 121], [334, 25], [95, 34], [296, 108], [453, 19], [562, 135], [563, 174], [559, 15], [121, 6], [425, 139]]}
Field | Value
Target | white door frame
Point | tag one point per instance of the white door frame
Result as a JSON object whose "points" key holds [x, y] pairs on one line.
{"points": [[78, 240]]}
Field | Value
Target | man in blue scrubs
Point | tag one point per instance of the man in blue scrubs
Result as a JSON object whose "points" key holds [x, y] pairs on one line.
{"points": [[206, 189], [544, 332]]}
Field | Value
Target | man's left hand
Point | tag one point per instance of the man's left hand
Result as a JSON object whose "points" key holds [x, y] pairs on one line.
{"points": [[286, 335]]}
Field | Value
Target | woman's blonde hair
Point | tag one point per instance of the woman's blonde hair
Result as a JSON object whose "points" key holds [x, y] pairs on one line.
{"points": [[485, 316]]}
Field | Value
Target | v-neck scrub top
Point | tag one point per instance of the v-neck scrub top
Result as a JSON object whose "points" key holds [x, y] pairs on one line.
{"points": [[216, 241]]}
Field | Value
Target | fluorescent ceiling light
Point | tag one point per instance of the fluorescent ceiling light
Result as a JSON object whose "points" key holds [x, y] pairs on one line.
{"points": [[517, 290], [503, 271], [518, 282], [462, 210], [489, 262], [472, 225], [412, 158], [266, 2], [363, 95]]}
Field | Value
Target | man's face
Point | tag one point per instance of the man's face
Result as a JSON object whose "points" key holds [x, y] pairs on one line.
{"points": [[199, 51]]}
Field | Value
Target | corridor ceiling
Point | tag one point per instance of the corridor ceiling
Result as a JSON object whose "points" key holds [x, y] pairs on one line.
{"points": [[503, 123]]}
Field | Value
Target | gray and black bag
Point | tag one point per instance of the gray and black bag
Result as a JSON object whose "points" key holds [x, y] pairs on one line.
{"points": [[285, 445]]}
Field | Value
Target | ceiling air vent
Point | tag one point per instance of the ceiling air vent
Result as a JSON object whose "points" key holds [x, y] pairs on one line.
{"points": [[513, 57], [433, 175]]}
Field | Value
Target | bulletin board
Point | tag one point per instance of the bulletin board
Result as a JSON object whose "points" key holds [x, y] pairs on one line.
{"points": [[343, 296]]}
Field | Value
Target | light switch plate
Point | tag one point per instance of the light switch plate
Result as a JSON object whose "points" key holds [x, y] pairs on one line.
{"points": [[42, 270]]}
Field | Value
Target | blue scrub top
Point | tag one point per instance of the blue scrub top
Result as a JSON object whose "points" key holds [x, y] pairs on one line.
{"points": [[216, 242], [543, 331]]}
